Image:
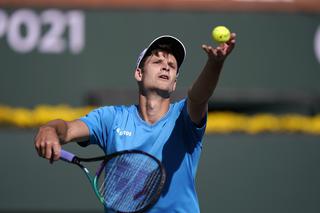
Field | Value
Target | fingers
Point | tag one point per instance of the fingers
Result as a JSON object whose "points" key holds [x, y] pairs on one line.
{"points": [[232, 38], [48, 150], [56, 149], [207, 48], [215, 53], [231, 43], [221, 51], [47, 144], [37, 146]]}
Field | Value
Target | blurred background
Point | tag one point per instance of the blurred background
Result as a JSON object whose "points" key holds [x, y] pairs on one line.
{"points": [[261, 149]]}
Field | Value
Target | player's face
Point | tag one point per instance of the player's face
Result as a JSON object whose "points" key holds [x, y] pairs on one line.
{"points": [[159, 72]]}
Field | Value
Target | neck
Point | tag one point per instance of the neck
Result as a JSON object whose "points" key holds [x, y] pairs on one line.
{"points": [[153, 107]]}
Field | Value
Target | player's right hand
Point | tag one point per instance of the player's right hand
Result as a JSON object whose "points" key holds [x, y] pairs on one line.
{"points": [[47, 143]]}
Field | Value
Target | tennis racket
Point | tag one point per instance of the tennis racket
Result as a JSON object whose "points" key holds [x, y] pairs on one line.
{"points": [[126, 181]]}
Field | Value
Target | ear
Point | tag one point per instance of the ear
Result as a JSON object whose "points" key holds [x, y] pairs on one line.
{"points": [[138, 74], [175, 84]]}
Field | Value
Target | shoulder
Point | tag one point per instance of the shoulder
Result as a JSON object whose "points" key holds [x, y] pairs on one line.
{"points": [[177, 109], [179, 105], [116, 108], [126, 109], [108, 112]]}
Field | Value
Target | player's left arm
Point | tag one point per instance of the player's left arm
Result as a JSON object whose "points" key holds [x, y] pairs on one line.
{"points": [[204, 86]]}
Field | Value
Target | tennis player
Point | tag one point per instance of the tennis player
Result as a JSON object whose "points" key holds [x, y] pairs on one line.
{"points": [[172, 132]]}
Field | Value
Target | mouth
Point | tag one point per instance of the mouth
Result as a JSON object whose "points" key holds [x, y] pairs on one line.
{"points": [[164, 77]]}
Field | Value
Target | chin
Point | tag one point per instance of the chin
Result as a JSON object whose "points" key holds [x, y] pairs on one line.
{"points": [[165, 92]]}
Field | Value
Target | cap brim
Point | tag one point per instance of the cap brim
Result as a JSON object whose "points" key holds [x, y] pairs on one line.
{"points": [[178, 49]]}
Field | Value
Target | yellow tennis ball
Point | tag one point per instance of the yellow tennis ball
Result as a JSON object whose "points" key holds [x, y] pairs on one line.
{"points": [[221, 34]]}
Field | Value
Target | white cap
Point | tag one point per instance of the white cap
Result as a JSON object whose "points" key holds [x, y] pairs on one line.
{"points": [[178, 49]]}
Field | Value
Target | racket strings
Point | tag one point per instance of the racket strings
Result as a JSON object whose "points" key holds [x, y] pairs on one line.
{"points": [[116, 180], [116, 170], [144, 193], [130, 181], [117, 175], [106, 176], [152, 183], [126, 175], [113, 181]]}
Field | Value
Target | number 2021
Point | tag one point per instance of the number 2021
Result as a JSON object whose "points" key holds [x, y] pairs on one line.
{"points": [[51, 31]]}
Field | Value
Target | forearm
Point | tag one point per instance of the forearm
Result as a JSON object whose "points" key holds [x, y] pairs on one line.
{"points": [[54, 133], [60, 127], [204, 86]]}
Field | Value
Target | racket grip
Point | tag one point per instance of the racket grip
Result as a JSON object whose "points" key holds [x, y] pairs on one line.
{"points": [[66, 156]]}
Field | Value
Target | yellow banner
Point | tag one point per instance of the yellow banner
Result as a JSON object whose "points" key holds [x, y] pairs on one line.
{"points": [[218, 122]]}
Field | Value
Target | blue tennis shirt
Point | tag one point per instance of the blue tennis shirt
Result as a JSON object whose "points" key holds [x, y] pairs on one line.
{"points": [[175, 140]]}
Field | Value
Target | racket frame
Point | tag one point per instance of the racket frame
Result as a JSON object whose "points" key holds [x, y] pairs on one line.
{"points": [[94, 180]]}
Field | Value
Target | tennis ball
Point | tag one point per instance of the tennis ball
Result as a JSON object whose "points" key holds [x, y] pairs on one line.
{"points": [[221, 34]]}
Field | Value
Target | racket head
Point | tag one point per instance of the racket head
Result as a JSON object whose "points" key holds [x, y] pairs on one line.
{"points": [[130, 181]]}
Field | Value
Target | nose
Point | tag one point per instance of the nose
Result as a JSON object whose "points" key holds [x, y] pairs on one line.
{"points": [[165, 67]]}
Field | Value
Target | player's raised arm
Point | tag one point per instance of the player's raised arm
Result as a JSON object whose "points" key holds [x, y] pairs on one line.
{"points": [[51, 135], [203, 87]]}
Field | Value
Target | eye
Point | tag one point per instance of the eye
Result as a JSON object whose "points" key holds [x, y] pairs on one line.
{"points": [[172, 66]]}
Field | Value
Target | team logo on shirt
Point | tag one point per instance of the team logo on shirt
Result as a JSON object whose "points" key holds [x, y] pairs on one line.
{"points": [[123, 132]]}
